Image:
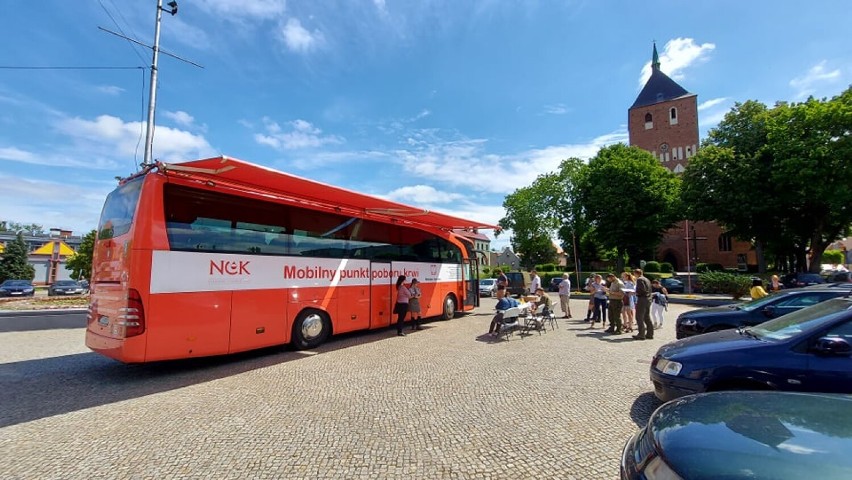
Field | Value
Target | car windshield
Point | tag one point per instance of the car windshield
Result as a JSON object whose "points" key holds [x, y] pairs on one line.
{"points": [[759, 303], [66, 283], [789, 325], [488, 281], [16, 283]]}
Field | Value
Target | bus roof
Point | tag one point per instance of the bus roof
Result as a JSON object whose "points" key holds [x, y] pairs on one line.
{"points": [[265, 180]]}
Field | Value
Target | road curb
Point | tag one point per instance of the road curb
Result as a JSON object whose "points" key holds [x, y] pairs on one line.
{"points": [[52, 311]]}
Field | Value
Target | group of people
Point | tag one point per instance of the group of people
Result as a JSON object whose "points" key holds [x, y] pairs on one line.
{"points": [[627, 299], [407, 301], [757, 290]]}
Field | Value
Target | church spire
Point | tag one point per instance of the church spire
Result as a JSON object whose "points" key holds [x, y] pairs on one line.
{"points": [[655, 60]]}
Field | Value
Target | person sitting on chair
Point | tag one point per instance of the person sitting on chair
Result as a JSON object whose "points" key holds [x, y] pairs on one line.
{"points": [[503, 304], [543, 301]]}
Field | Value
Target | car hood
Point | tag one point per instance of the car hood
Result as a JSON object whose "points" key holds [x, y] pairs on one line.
{"points": [[708, 343], [755, 435]]}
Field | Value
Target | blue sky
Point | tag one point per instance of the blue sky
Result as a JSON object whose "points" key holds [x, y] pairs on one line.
{"points": [[446, 105]]}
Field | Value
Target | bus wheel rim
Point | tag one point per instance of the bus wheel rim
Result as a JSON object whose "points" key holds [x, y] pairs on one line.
{"points": [[449, 306], [312, 326]]}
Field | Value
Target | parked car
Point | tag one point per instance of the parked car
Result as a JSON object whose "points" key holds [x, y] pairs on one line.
{"points": [[801, 279], [744, 435], [673, 285], [807, 351], [752, 313], [65, 287], [519, 283], [17, 288], [487, 287], [840, 277], [554, 283]]}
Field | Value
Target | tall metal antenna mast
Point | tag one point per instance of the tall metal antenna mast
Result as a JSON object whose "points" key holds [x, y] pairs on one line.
{"points": [[152, 95]]}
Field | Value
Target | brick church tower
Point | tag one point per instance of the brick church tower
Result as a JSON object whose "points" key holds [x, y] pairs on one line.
{"points": [[664, 121]]}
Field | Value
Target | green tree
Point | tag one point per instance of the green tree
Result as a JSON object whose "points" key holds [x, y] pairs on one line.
{"points": [[630, 199], [531, 217], [13, 261], [771, 176], [80, 263], [29, 229], [811, 143]]}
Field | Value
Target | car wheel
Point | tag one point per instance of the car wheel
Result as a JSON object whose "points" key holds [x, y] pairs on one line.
{"points": [[311, 328], [449, 308], [49, 293]]}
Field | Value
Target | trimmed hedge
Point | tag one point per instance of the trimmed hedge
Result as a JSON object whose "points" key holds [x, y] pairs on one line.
{"points": [[652, 267], [737, 286]]}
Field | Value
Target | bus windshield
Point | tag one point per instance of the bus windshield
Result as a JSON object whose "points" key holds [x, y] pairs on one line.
{"points": [[119, 208]]}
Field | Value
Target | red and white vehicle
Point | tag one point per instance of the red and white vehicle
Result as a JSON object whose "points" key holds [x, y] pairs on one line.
{"points": [[219, 256]]}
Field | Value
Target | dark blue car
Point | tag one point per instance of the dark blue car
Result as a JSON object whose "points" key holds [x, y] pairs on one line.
{"points": [[805, 351], [751, 313], [744, 435]]}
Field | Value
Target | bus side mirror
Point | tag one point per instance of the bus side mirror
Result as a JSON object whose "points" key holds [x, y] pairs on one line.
{"points": [[833, 346]]}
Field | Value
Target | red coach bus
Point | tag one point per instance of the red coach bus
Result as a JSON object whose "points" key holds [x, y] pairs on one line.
{"points": [[219, 256]]}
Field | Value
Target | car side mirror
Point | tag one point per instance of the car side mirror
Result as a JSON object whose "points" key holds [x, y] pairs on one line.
{"points": [[833, 346], [769, 311]]}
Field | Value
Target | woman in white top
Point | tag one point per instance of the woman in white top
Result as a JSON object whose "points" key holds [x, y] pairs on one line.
{"points": [[565, 295]]}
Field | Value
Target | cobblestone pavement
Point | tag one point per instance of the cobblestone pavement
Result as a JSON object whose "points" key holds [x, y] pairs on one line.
{"points": [[445, 402]]}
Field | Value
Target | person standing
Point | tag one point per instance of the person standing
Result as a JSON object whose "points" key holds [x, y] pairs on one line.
{"points": [[659, 302], [502, 283], [590, 311], [598, 290], [535, 282], [774, 285], [565, 295], [643, 307], [403, 295], [757, 290], [628, 311], [615, 291], [414, 304]]}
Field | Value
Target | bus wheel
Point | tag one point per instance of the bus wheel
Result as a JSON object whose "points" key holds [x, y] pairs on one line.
{"points": [[449, 310], [311, 328]]}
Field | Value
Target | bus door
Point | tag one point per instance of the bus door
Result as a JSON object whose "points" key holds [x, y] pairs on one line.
{"points": [[471, 282], [381, 294]]}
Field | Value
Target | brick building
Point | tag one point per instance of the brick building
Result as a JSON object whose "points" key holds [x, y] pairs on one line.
{"points": [[664, 121]]}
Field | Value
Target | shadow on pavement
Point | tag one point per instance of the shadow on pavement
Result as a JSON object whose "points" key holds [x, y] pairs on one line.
{"points": [[643, 407], [44, 387]]}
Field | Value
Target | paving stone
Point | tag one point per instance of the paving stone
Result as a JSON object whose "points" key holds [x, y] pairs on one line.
{"points": [[443, 403]]}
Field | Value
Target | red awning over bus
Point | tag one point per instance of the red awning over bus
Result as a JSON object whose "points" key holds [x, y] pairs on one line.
{"points": [[265, 180]]}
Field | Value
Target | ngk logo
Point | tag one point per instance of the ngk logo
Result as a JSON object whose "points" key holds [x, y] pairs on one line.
{"points": [[433, 269], [229, 267]]}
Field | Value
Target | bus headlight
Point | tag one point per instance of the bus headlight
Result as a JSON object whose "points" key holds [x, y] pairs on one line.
{"points": [[668, 367]]}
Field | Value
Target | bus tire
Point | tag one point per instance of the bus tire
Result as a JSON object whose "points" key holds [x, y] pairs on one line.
{"points": [[311, 328], [448, 308]]}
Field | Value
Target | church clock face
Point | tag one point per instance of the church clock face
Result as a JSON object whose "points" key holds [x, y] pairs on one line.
{"points": [[664, 147]]}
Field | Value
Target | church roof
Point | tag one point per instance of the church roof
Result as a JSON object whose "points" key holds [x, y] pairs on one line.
{"points": [[659, 87], [47, 249]]}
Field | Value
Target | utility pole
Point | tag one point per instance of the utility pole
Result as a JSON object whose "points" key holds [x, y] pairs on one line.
{"points": [[152, 93]]}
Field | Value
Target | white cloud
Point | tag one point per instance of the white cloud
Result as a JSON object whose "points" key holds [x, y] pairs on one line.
{"points": [[16, 155], [111, 136], [421, 194], [298, 39], [109, 90], [711, 103], [556, 109], [239, 9], [302, 135], [807, 83], [46, 203], [180, 117], [436, 160], [678, 55]]}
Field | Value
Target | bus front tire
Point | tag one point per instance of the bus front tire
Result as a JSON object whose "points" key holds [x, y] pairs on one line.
{"points": [[311, 328], [449, 309]]}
